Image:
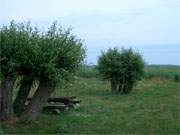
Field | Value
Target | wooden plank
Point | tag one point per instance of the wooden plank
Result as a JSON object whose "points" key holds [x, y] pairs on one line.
{"points": [[65, 100], [49, 107]]}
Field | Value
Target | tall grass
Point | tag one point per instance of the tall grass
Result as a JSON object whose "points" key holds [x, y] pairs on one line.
{"points": [[169, 72]]}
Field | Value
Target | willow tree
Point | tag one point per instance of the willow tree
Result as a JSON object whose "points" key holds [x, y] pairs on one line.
{"points": [[51, 58], [122, 68], [60, 56]]}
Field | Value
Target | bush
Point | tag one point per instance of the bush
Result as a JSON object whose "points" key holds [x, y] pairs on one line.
{"points": [[177, 78], [123, 68]]}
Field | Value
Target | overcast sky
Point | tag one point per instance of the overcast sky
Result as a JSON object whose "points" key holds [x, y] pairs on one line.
{"points": [[150, 26]]}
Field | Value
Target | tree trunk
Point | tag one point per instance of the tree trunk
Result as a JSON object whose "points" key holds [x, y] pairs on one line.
{"points": [[0, 97], [6, 110], [127, 88], [39, 99], [19, 103], [113, 86], [120, 87]]}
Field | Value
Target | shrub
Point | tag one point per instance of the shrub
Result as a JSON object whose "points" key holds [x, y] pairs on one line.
{"points": [[123, 68], [177, 78]]}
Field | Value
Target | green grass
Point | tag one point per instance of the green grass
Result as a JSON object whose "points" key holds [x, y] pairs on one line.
{"points": [[162, 71], [170, 72], [152, 108]]}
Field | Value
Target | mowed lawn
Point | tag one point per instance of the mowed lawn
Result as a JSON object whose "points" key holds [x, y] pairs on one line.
{"points": [[152, 108]]}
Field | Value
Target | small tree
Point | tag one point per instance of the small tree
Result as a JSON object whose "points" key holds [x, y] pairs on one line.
{"points": [[122, 68], [109, 65]]}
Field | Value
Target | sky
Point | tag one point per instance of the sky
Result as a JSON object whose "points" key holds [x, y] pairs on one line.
{"points": [[151, 27]]}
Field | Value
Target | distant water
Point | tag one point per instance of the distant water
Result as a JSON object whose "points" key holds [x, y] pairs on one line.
{"points": [[152, 54]]}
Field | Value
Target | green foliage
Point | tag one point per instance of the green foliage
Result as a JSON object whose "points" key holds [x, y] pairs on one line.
{"points": [[88, 72], [177, 78], [109, 64], [123, 68], [54, 54], [18, 49]]}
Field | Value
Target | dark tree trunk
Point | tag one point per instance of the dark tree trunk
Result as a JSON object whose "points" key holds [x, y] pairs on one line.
{"points": [[120, 87], [19, 103], [127, 88], [6, 110], [113, 86], [130, 87], [0, 97], [39, 99]]}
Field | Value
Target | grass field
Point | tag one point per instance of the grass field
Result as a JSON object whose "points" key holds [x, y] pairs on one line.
{"points": [[162, 71], [170, 72], [152, 108]]}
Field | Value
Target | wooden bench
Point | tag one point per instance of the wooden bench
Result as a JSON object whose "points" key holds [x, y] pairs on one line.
{"points": [[60, 104]]}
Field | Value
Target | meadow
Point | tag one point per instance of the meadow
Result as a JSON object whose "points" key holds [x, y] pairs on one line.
{"points": [[151, 71], [152, 108], [170, 72]]}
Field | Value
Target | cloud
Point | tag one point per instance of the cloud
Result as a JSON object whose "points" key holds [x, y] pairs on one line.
{"points": [[22, 9]]}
